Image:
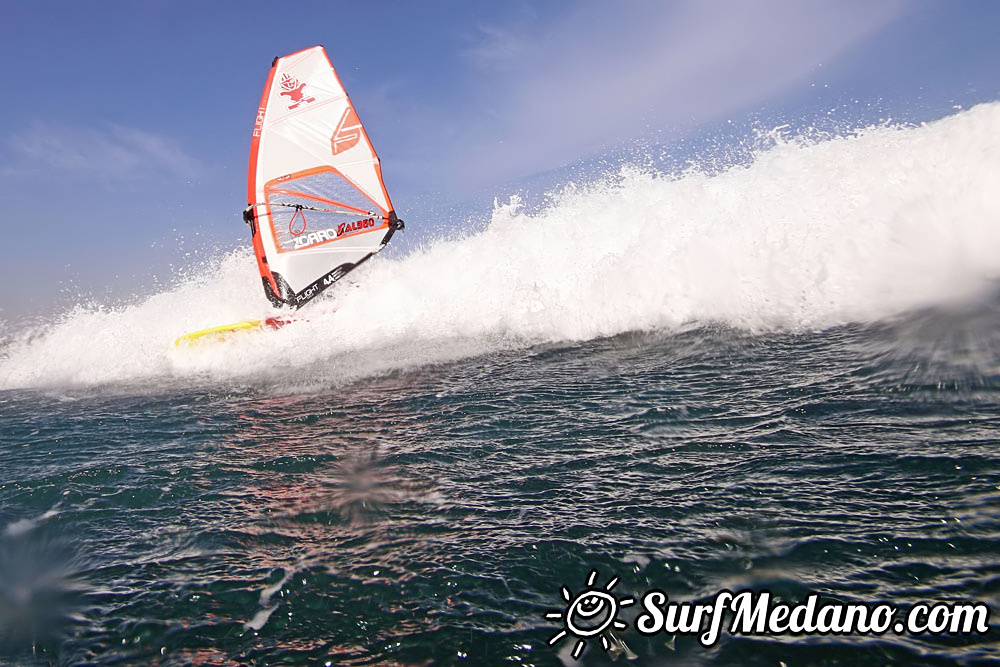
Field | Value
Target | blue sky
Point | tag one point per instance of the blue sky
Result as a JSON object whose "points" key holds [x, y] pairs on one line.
{"points": [[125, 126]]}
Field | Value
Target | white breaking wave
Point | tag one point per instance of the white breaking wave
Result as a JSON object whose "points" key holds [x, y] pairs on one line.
{"points": [[809, 235]]}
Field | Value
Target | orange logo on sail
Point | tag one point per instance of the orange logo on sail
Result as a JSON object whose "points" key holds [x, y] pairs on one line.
{"points": [[293, 90], [348, 132]]}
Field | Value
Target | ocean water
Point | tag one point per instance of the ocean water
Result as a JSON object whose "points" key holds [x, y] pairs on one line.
{"points": [[780, 376]]}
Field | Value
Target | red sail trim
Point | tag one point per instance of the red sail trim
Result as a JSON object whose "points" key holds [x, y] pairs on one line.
{"points": [[316, 158], [270, 188], [258, 244], [270, 185], [317, 198], [350, 104]]}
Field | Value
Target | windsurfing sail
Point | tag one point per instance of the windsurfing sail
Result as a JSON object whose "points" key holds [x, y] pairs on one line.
{"points": [[317, 206]]}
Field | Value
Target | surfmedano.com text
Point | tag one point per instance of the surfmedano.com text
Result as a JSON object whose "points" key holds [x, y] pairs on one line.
{"points": [[757, 613]]}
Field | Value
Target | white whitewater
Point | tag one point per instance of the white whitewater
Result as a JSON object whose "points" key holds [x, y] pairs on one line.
{"points": [[809, 235]]}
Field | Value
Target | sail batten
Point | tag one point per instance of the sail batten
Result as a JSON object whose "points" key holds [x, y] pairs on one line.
{"points": [[309, 147]]}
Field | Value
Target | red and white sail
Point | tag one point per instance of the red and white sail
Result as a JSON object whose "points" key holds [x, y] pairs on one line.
{"points": [[317, 204]]}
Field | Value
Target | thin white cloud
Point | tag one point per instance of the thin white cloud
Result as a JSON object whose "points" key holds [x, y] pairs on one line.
{"points": [[497, 47], [614, 71], [110, 155]]}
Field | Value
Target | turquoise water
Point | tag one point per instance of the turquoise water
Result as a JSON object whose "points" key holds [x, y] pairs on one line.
{"points": [[431, 515]]}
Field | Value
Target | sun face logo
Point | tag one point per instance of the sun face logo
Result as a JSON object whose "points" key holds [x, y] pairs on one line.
{"points": [[593, 612]]}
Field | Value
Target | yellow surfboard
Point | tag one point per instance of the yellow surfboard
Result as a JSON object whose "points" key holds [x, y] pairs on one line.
{"points": [[217, 333], [224, 331]]}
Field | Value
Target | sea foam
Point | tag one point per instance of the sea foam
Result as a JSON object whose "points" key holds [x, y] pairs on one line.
{"points": [[809, 234]]}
